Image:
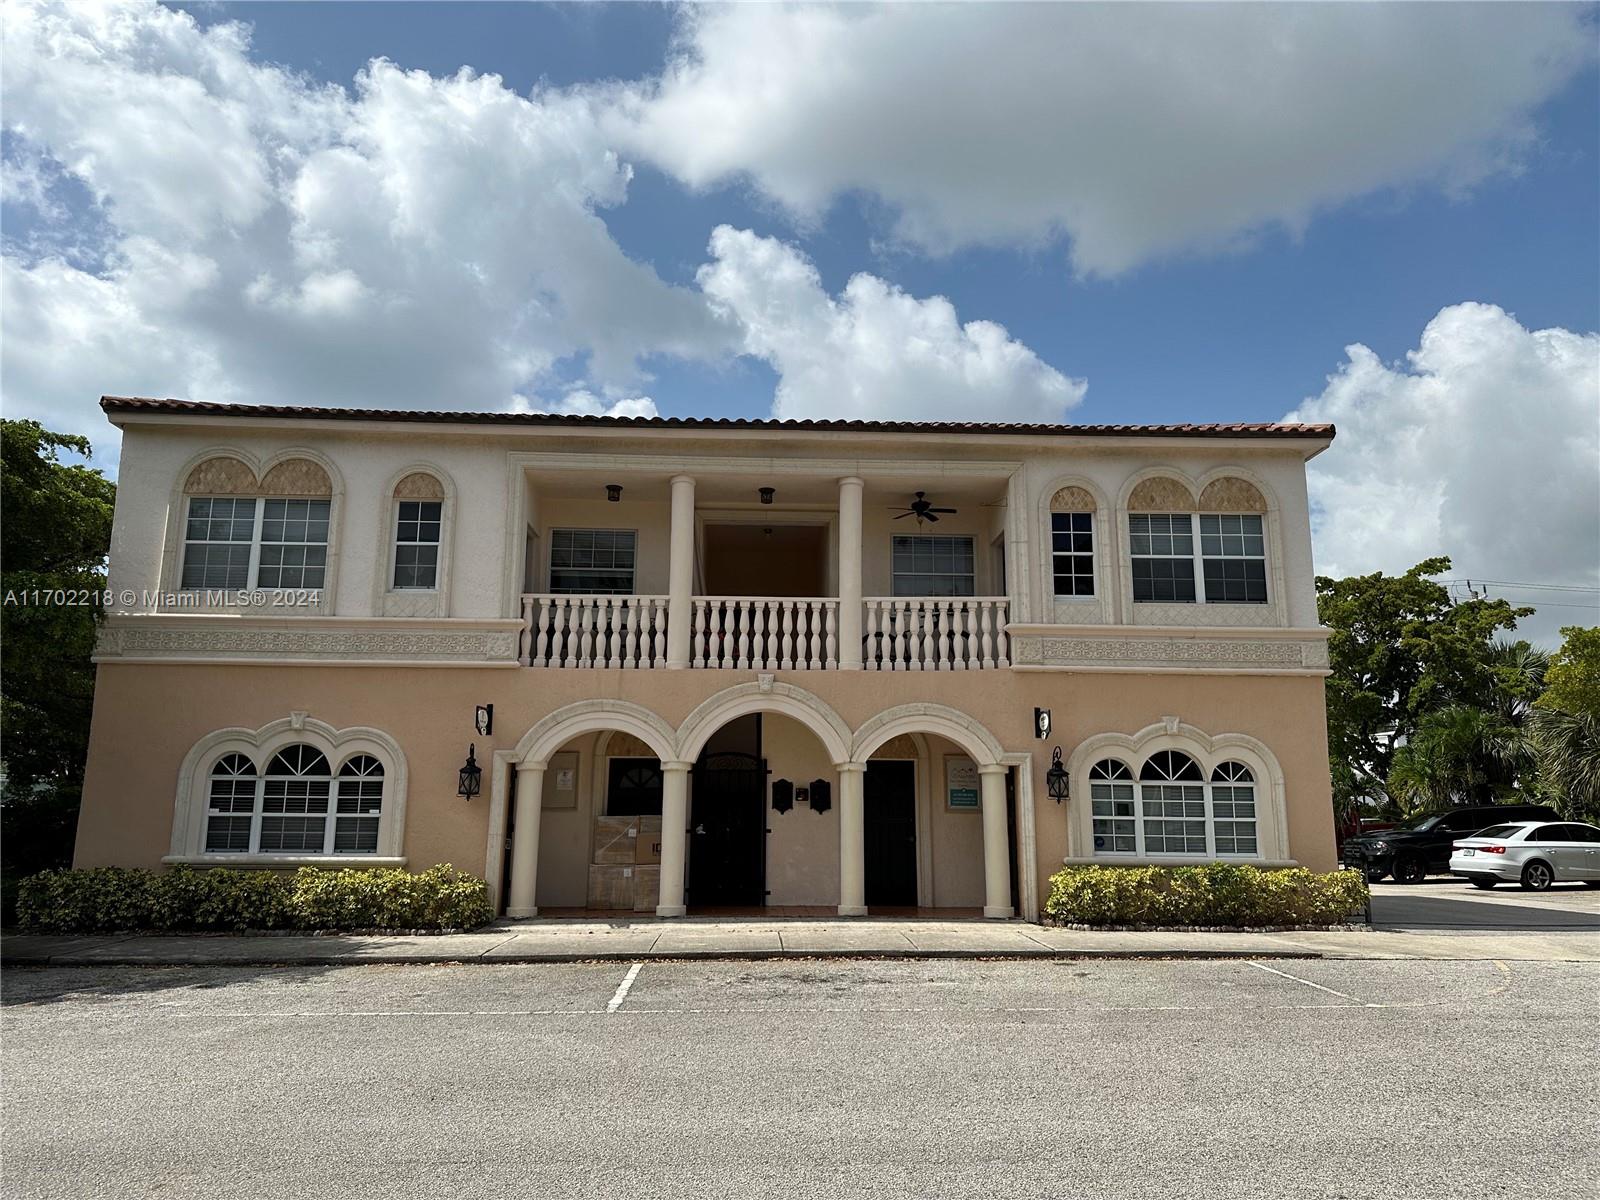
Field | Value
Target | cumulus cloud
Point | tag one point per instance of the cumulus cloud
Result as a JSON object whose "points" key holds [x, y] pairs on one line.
{"points": [[581, 402], [411, 241], [1135, 130], [873, 352], [1483, 445]]}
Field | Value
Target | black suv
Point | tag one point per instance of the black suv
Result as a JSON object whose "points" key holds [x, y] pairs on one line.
{"points": [[1423, 847]]}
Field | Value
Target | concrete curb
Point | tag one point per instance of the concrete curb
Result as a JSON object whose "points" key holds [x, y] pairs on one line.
{"points": [[486, 959]]}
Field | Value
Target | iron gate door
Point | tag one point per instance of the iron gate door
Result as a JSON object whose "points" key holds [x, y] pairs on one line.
{"points": [[728, 831], [891, 834]]}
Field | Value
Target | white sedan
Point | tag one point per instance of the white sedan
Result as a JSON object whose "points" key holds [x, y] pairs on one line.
{"points": [[1532, 853]]}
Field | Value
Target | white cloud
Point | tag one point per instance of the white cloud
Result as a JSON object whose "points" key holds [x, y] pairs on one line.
{"points": [[584, 403], [411, 242], [874, 352], [1137, 130], [1484, 445]]}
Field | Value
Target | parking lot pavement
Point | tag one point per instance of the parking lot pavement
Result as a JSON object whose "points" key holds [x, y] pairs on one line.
{"points": [[802, 1078], [1444, 903]]}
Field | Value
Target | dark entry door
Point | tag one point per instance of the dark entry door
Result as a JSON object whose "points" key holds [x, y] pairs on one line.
{"points": [[891, 834], [728, 831]]}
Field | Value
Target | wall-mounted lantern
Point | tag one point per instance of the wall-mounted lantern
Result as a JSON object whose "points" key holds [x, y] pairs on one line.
{"points": [[483, 719], [767, 494], [471, 780], [1055, 779], [613, 492]]}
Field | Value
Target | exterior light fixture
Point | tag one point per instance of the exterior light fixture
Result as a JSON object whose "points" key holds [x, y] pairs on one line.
{"points": [[1041, 723], [1055, 779], [483, 719], [767, 494], [471, 782], [613, 492]]}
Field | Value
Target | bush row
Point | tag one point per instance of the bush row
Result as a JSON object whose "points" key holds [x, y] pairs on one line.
{"points": [[107, 899], [1217, 894]]}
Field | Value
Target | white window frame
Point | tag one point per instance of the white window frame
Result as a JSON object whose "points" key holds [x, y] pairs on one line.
{"points": [[1094, 582], [395, 543], [1207, 783], [1198, 557], [330, 816], [895, 575], [1109, 782], [254, 569]]}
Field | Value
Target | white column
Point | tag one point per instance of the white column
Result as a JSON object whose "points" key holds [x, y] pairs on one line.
{"points": [[996, 860], [850, 574], [852, 839], [680, 573], [525, 841], [674, 837]]}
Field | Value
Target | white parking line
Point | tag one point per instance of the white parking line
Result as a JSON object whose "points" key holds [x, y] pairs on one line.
{"points": [[1309, 984], [623, 987]]}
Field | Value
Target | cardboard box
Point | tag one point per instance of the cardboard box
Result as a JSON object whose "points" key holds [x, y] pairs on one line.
{"points": [[611, 887], [648, 848], [646, 888], [614, 839]]}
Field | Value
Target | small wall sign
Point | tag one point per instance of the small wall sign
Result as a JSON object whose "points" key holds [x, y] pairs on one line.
{"points": [[960, 783]]}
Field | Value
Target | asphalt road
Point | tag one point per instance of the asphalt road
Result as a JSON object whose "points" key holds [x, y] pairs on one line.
{"points": [[805, 1079], [1443, 903]]}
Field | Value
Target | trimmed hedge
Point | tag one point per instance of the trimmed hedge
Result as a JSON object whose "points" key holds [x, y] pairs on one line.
{"points": [[107, 899], [1217, 894]]}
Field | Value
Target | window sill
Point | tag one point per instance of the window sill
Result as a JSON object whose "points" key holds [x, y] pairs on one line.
{"points": [[1176, 860], [284, 860]]}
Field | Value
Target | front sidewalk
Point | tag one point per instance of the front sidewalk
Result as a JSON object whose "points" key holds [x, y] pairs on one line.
{"points": [[632, 940]]}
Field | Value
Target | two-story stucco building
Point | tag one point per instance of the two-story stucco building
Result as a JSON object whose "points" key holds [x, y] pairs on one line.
{"points": [[730, 663]]}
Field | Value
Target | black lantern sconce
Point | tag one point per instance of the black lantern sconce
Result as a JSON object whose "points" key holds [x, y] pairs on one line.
{"points": [[767, 494], [613, 492], [471, 781], [1055, 779]]}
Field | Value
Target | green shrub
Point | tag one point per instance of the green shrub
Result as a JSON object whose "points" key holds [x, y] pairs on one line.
{"points": [[103, 899], [1217, 894]]}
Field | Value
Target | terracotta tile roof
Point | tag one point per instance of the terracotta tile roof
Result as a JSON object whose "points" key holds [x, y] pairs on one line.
{"points": [[132, 404]]}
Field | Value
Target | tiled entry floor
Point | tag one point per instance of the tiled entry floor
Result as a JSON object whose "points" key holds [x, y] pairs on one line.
{"points": [[774, 912]]}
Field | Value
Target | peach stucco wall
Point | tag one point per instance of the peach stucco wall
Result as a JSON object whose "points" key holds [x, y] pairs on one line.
{"points": [[147, 717]]}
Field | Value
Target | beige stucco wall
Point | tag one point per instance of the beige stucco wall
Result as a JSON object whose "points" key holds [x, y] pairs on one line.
{"points": [[147, 718]]}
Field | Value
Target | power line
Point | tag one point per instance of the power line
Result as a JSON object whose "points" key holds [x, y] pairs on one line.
{"points": [[1540, 587]]}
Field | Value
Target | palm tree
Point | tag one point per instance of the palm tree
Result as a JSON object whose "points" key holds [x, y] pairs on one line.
{"points": [[1568, 749]]}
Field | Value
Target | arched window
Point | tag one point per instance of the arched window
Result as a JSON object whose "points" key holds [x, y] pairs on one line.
{"points": [[1072, 542], [1233, 808], [1111, 797], [419, 501], [240, 532], [231, 805], [359, 807], [294, 801], [1172, 798]]}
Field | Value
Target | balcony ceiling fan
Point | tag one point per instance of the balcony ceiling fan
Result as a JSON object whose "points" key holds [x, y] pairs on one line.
{"points": [[923, 510]]}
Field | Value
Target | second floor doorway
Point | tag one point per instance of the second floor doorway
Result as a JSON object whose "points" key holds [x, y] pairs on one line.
{"points": [[778, 561]]}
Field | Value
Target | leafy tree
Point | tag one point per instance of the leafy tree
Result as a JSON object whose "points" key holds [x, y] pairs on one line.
{"points": [[1400, 649], [55, 537], [1565, 725], [1572, 683]]}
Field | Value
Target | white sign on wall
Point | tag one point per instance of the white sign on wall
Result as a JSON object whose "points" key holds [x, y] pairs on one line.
{"points": [[960, 783]]}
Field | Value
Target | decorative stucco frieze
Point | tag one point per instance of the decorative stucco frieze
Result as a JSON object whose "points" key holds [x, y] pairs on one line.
{"points": [[330, 645], [1169, 653]]}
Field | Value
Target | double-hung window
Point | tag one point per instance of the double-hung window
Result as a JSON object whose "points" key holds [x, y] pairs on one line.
{"points": [[1231, 567], [416, 544], [592, 562], [1072, 552], [933, 566], [1174, 808], [234, 542], [1172, 797], [1111, 799]]}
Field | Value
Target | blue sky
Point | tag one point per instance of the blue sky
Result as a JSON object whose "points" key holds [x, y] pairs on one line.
{"points": [[1387, 216]]}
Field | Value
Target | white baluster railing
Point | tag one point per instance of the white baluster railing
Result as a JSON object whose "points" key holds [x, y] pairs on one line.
{"points": [[617, 632], [936, 633], [763, 633]]}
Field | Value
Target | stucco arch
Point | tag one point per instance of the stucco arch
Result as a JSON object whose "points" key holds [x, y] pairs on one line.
{"points": [[592, 716], [1132, 484], [1268, 498], [746, 698], [339, 745], [940, 719], [1208, 750]]}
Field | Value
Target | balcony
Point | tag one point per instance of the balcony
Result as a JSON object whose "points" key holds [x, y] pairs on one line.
{"points": [[763, 633]]}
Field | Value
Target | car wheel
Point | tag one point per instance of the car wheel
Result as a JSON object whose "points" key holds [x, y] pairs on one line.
{"points": [[1537, 876], [1485, 884], [1374, 874], [1409, 870]]}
